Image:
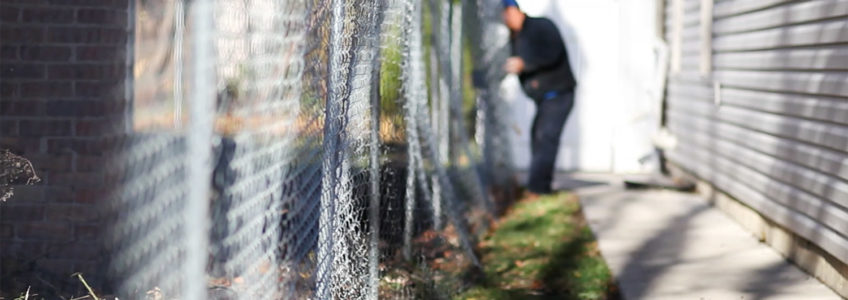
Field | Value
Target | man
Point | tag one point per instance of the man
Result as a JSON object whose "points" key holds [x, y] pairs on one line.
{"points": [[540, 60]]}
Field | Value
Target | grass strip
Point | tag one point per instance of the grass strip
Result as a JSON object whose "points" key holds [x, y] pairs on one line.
{"points": [[542, 249]]}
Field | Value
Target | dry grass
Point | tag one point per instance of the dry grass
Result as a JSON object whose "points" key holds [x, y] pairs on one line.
{"points": [[29, 294]]}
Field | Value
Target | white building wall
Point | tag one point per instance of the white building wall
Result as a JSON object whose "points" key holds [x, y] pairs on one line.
{"points": [[612, 49]]}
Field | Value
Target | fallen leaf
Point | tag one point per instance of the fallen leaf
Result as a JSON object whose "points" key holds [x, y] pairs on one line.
{"points": [[520, 263], [537, 285]]}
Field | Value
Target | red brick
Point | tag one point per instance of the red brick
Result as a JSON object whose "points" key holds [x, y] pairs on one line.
{"points": [[28, 3], [12, 212], [91, 3], [92, 195], [113, 142], [91, 128], [77, 180], [87, 35], [99, 127], [21, 35], [9, 14], [64, 108], [102, 17], [44, 89], [6, 231], [100, 88], [88, 232], [22, 144], [52, 162], [109, 71], [6, 107], [59, 194], [8, 127], [78, 252], [91, 163], [30, 193], [45, 53], [76, 214], [21, 71], [8, 52], [101, 53], [24, 249], [8, 90], [61, 266], [44, 231], [45, 128], [21, 108], [45, 15], [85, 108], [77, 145]]}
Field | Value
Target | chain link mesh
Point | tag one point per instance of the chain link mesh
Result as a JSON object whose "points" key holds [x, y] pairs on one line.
{"points": [[342, 164]]}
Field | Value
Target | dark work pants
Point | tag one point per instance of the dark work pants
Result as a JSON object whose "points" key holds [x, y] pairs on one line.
{"points": [[551, 115]]}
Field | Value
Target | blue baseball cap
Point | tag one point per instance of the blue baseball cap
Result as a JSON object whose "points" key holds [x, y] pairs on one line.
{"points": [[508, 3]]}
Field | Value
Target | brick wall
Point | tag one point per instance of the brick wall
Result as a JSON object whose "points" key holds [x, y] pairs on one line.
{"points": [[62, 99]]}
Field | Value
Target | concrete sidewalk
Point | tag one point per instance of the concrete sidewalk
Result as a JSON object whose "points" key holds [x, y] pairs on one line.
{"points": [[669, 245]]}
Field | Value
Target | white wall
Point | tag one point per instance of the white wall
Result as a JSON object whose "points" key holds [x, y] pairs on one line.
{"points": [[611, 47]]}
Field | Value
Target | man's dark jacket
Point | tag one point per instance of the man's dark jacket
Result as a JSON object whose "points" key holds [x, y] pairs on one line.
{"points": [[546, 68]]}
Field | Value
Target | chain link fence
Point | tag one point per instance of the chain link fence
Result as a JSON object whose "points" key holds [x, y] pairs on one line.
{"points": [[308, 149]]}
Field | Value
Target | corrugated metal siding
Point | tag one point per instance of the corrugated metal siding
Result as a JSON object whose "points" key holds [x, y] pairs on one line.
{"points": [[776, 135]]}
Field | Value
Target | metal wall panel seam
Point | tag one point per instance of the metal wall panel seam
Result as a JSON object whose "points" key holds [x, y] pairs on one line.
{"points": [[809, 228], [743, 125], [690, 49], [790, 196], [828, 110], [815, 133], [802, 225], [825, 109], [829, 188], [824, 58], [689, 77], [698, 91], [822, 160], [691, 18], [826, 32], [821, 83], [691, 32], [691, 61], [790, 14], [732, 8], [691, 5]]}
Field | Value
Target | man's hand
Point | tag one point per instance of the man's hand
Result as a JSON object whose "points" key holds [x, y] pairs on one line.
{"points": [[514, 65]]}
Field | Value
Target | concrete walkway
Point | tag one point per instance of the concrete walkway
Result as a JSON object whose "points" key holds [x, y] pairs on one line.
{"points": [[669, 245]]}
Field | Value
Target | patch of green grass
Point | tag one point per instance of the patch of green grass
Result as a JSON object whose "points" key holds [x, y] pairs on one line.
{"points": [[542, 249]]}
